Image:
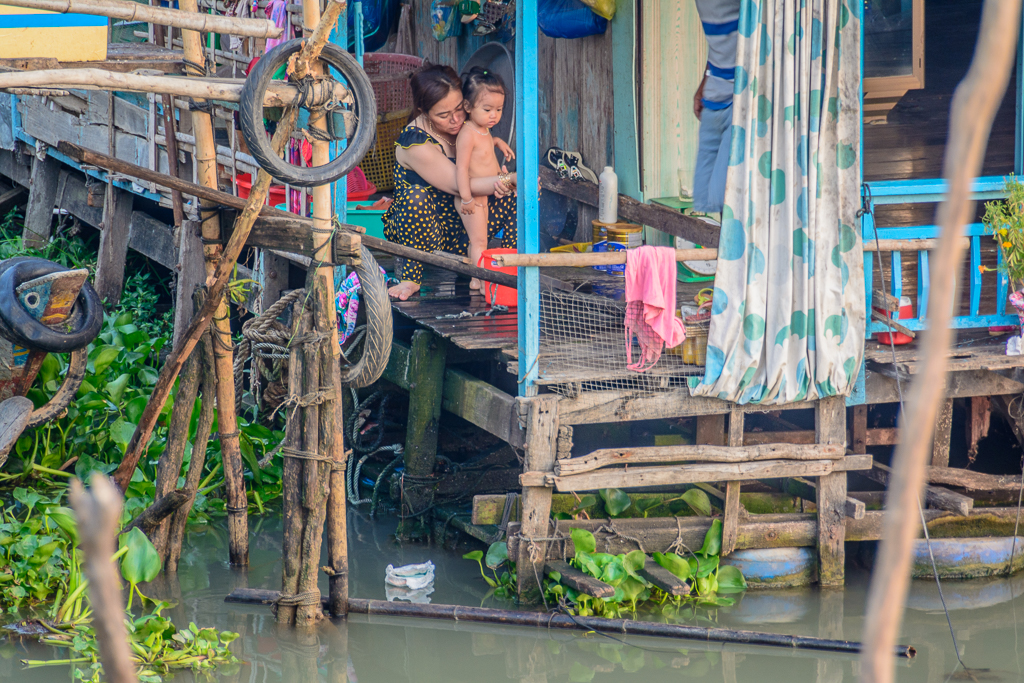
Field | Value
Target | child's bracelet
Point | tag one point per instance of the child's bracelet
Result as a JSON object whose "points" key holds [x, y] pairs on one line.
{"points": [[465, 202]]}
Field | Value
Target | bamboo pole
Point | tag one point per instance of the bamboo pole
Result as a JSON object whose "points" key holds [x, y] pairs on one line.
{"points": [[180, 18], [291, 479], [975, 103], [330, 480], [97, 512], [278, 94], [224, 370], [217, 285]]}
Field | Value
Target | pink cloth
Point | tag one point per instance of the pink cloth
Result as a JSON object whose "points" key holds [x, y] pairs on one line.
{"points": [[651, 305]]}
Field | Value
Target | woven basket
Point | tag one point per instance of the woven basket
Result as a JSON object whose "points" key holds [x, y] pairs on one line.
{"points": [[389, 75]]}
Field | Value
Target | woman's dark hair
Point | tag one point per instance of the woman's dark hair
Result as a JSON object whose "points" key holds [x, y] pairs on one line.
{"points": [[431, 84], [480, 80]]}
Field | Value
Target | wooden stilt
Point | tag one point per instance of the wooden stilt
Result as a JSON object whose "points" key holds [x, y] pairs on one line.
{"points": [[859, 429], [732, 509], [830, 428], [426, 383], [42, 196], [940, 441], [227, 420], [117, 217], [541, 416], [978, 420], [191, 275], [291, 483]]}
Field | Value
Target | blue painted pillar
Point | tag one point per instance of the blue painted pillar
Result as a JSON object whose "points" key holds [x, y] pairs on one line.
{"points": [[527, 204], [339, 189], [1018, 129]]}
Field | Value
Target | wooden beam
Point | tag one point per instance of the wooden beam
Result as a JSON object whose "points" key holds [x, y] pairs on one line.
{"points": [[656, 216], [9, 197], [670, 475], [646, 455], [973, 481], [830, 428], [541, 416], [663, 578], [577, 580], [935, 496], [806, 489]]}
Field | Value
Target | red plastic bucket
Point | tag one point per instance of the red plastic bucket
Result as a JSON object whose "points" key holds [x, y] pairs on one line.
{"points": [[499, 294], [244, 180], [898, 338]]}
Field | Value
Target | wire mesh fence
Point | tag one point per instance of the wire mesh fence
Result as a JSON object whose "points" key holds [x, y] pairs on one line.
{"points": [[583, 347]]}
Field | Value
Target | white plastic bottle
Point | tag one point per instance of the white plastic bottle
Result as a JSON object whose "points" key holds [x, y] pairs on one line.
{"points": [[608, 196]]}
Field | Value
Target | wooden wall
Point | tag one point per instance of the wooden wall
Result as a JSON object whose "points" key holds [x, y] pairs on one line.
{"points": [[575, 83]]}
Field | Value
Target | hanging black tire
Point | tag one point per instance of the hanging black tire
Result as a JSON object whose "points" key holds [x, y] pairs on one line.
{"points": [[251, 116], [376, 304], [18, 326]]}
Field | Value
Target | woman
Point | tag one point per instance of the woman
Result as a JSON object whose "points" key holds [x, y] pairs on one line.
{"points": [[423, 214]]}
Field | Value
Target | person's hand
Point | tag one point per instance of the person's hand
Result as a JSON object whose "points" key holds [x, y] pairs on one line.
{"points": [[698, 99], [466, 209], [504, 149]]}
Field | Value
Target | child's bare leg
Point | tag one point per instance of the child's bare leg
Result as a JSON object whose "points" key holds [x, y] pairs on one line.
{"points": [[476, 228]]}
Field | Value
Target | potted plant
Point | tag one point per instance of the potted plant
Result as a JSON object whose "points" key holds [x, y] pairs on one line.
{"points": [[1004, 220]]}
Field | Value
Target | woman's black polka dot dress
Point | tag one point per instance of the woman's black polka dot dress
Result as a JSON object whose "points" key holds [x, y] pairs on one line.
{"points": [[425, 218]]}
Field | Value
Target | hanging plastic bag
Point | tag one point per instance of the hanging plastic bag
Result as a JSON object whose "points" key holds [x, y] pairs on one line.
{"points": [[445, 19], [569, 19], [604, 8]]}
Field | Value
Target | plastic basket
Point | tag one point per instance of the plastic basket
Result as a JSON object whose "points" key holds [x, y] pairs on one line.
{"points": [[389, 75], [379, 162], [359, 187]]}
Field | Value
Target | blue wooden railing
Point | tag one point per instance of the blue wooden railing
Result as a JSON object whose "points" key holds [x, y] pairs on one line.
{"points": [[922, 192]]}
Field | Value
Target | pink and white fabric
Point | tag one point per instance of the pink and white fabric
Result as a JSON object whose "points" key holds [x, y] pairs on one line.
{"points": [[651, 305]]}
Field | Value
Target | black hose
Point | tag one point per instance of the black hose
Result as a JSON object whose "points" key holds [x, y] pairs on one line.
{"points": [[250, 117], [18, 325]]}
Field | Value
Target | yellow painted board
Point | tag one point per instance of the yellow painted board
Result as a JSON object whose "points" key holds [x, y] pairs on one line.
{"points": [[28, 33]]}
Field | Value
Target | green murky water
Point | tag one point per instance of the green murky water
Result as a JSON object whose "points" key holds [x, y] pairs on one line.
{"points": [[988, 619]]}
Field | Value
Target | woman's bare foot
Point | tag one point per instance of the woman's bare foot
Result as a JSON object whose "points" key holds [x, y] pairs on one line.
{"points": [[476, 284], [404, 289]]}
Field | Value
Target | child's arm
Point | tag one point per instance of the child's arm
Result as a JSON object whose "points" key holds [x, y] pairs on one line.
{"points": [[463, 157], [504, 149]]}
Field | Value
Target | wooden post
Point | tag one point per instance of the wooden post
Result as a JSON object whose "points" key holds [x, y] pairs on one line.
{"points": [[227, 421], [732, 508], [859, 429], [830, 428], [191, 274], [940, 440], [426, 382], [291, 480], [978, 420], [42, 196], [711, 430], [117, 217], [275, 277], [541, 415]]}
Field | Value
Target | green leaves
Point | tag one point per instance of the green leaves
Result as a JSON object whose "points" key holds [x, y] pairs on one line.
{"points": [[585, 503], [674, 563], [497, 554], [730, 580], [712, 540], [141, 563], [476, 555], [615, 501], [698, 502], [583, 541]]}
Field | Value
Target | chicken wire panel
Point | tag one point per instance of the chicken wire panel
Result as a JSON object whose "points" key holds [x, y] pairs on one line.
{"points": [[583, 348]]}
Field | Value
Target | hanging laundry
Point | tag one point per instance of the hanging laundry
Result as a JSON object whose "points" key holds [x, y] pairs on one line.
{"points": [[651, 305], [277, 11], [347, 305]]}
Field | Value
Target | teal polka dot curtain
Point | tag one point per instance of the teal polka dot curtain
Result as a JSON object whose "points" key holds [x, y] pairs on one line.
{"points": [[788, 316]]}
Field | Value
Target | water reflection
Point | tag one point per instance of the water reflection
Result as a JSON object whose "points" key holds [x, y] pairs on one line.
{"points": [[396, 650]]}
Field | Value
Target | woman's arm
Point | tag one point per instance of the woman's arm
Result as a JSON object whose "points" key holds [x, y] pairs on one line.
{"points": [[438, 170]]}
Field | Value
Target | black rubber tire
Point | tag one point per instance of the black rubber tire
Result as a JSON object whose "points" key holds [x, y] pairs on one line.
{"points": [[67, 392], [18, 326], [376, 304], [250, 116]]}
